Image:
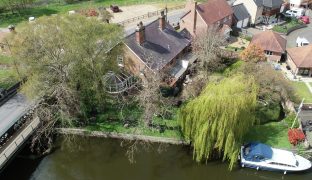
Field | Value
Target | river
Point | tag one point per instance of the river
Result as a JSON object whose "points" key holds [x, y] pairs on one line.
{"points": [[101, 159]]}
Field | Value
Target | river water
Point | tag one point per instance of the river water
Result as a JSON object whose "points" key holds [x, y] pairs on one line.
{"points": [[101, 159]]}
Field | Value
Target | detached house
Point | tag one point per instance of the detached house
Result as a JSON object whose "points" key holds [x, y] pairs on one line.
{"points": [[299, 59], [300, 3], [273, 44], [214, 13], [262, 11], [157, 48]]}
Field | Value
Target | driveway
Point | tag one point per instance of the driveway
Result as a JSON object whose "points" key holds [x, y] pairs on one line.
{"points": [[304, 32]]}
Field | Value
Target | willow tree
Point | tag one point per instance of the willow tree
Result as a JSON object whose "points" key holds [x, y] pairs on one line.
{"points": [[217, 120]]}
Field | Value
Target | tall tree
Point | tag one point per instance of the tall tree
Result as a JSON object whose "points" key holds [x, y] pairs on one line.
{"points": [[217, 120], [65, 59]]}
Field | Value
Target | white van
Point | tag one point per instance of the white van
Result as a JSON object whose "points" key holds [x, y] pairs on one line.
{"points": [[295, 12], [301, 41]]}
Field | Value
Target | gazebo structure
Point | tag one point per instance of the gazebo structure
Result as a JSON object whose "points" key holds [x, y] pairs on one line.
{"points": [[118, 83]]}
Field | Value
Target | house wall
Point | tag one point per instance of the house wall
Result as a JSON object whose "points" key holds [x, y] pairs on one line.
{"points": [[133, 63], [292, 65], [187, 22], [254, 11], [295, 3]]}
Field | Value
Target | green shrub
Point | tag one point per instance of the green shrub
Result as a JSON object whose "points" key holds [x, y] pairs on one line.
{"points": [[268, 113]]}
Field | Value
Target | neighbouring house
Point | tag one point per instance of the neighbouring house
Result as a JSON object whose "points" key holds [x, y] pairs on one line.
{"points": [[271, 10], [273, 44], [200, 17], [299, 60], [254, 8], [157, 48], [300, 4], [241, 16], [262, 11]]}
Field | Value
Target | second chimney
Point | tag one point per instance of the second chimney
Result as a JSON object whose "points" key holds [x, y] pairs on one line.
{"points": [[162, 20], [140, 33]]}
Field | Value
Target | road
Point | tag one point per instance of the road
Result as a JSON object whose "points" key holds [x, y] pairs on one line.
{"points": [[304, 32], [11, 111], [173, 17]]}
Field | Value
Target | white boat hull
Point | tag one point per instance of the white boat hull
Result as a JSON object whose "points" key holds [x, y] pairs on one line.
{"points": [[302, 164]]}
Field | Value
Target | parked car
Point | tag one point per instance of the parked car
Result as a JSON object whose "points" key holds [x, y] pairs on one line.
{"points": [[114, 8], [296, 12], [305, 19]]}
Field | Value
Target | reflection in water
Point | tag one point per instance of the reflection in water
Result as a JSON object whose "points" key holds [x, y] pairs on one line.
{"points": [[97, 159]]}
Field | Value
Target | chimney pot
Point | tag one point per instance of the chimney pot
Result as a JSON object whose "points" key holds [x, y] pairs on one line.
{"points": [[162, 20], [140, 33]]}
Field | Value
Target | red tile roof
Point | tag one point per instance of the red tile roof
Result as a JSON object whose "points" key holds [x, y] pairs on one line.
{"points": [[301, 56], [214, 10], [270, 41]]}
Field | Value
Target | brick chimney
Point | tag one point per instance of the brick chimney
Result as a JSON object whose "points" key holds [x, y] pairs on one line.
{"points": [[140, 33], [194, 15], [162, 20]]}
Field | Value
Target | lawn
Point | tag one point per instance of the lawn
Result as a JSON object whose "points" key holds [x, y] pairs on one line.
{"points": [[273, 134], [302, 91], [285, 27], [7, 72], [61, 7]]}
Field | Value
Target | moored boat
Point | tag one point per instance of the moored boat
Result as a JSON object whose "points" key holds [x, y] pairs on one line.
{"points": [[263, 157]]}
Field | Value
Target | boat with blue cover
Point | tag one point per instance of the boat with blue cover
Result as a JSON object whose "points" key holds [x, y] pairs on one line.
{"points": [[263, 157]]}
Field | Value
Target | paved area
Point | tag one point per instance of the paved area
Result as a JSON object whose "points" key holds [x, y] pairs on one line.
{"points": [[173, 18], [132, 11], [11, 111], [304, 32]]}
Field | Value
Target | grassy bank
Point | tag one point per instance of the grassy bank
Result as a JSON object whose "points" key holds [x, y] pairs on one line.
{"points": [[7, 72], [129, 121], [60, 7], [302, 91]]}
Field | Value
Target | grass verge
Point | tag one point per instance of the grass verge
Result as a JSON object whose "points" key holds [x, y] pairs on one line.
{"points": [[302, 91]]}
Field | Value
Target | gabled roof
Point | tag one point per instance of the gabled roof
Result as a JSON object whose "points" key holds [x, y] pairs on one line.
{"points": [[269, 40], [160, 46], [214, 10], [240, 12], [269, 3], [301, 56]]}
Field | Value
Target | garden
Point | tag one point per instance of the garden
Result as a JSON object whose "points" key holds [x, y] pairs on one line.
{"points": [[290, 23]]}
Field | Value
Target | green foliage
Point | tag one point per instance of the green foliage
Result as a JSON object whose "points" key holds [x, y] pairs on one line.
{"points": [[219, 118], [285, 27], [268, 112], [8, 75], [290, 119], [66, 57]]}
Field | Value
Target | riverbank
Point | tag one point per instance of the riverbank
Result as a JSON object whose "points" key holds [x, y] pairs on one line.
{"points": [[114, 135]]}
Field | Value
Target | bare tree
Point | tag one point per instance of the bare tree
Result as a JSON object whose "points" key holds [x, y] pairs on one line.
{"points": [[207, 47], [150, 98]]}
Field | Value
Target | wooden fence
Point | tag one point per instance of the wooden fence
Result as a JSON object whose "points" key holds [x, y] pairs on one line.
{"points": [[149, 15]]}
